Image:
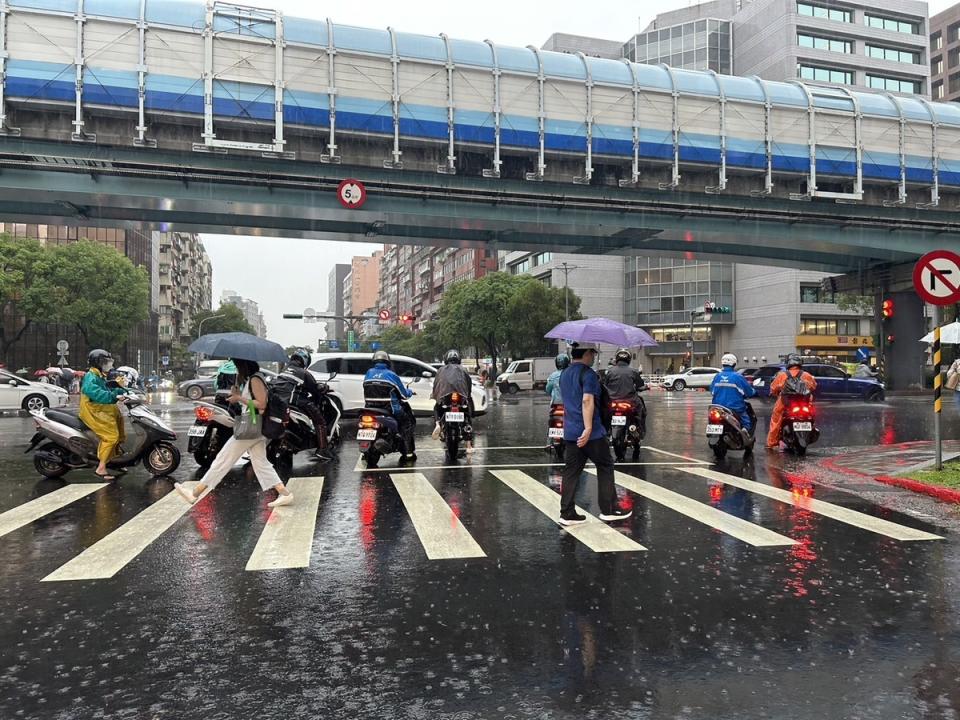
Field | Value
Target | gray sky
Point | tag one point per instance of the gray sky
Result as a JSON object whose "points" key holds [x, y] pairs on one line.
{"points": [[292, 274]]}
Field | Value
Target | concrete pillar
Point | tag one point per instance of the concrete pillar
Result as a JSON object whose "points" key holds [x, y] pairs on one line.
{"points": [[904, 358]]}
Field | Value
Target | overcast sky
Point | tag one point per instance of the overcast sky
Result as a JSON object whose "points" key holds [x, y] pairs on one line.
{"points": [[291, 275]]}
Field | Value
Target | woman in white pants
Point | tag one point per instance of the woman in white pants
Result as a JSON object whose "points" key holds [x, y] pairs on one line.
{"points": [[256, 389]]}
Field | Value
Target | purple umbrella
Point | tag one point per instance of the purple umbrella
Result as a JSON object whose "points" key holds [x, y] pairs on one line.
{"points": [[601, 330]]}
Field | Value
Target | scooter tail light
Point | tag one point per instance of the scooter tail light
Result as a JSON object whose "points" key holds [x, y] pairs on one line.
{"points": [[455, 398], [203, 414], [368, 421]]}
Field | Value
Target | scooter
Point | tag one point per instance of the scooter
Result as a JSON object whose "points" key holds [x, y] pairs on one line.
{"points": [[68, 444], [555, 431], [299, 433], [628, 427], [378, 432], [726, 432], [798, 430], [454, 425], [211, 429]]}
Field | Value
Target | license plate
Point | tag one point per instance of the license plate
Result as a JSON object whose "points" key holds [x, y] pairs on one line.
{"points": [[619, 420], [801, 426], [714, 429], [555, 433], [197, 431], [454, 417], [366, 434]]}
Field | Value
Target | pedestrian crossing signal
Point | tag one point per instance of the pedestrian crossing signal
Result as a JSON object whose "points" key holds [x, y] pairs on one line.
{"points": [[890, 339], [886, 309]]}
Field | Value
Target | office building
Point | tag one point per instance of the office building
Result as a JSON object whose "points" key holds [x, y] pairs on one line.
{"points": [[592, 47], [945, 55], [185, 288], [364, 283], [335, 328], [250, 309]]}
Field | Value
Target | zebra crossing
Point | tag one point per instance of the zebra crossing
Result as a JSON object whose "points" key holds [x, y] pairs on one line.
{"points": [[287, 538]]}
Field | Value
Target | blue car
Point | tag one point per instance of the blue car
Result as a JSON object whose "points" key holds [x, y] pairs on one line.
{"points": [[832, 382]]}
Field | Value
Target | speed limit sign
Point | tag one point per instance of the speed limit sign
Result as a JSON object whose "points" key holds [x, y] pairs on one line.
{"points": [[351, 194]]}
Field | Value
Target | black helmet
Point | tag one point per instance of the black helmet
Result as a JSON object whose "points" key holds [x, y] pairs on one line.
{"points": [[794, 360], [623, 356], [381, 356], [98, 358], [563, 361], [452, 356], [300, 357]]}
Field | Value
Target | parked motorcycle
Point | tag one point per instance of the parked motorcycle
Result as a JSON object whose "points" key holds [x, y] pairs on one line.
{"points": [[798, 430], [211, 429], [555, 431], [454, 426], [378, 432], [68, 444], [628, 427], [726, 432]]}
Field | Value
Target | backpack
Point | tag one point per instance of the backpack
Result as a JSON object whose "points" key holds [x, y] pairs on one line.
{"points": [[276, 411], [795, 386], [606, 414]]}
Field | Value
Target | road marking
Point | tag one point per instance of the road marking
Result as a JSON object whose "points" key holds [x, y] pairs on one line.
{"points": [[836, 512], [287, 538], [441, 533], [475, 466], [108, 556], [682, 457], [478, 448], [594, 533], [44, 505], [717, 519]]}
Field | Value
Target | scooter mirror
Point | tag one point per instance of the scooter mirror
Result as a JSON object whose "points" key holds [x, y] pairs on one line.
{"points": [[758, 382]]}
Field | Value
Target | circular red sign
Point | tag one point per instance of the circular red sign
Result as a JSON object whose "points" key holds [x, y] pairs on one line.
{"points": [[936, 277], [351, 194], [384, 314]]}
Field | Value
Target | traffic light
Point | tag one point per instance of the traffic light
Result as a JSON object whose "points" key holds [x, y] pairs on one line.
{"points": [[406, 319], [890, 339], [886, 309]]}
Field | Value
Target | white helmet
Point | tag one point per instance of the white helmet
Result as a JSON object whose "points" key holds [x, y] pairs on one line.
{"points": [[729, 359]]}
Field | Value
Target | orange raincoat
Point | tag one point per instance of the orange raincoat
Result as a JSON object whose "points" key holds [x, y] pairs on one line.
{"points": [[776, 387]]}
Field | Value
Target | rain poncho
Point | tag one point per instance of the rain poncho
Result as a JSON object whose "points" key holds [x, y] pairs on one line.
{"points": [[450, 379], [776, 388], [99, 412]]}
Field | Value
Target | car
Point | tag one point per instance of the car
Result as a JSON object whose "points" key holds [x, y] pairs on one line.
{"points": [[350, 369], [19, 394], [832, 382], [697, 377], [748, 372], [199, 387]]}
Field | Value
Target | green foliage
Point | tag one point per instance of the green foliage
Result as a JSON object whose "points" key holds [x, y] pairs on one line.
{"points": [[290, 349], [97, 289], [25, 292], [862, 304], [533, 310], [231, 320]]}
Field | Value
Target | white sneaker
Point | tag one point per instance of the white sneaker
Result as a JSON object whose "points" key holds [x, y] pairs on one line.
{"points": [[185, 492], [436, 432], [281, 500]]}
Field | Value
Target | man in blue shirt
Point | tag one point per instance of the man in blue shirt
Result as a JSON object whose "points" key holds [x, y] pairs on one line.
{"points": [[585, 439], [731, 389], [381, 372]]}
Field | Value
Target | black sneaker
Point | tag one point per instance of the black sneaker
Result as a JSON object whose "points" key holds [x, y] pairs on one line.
{"points": [[615, 515], [575, 519]]}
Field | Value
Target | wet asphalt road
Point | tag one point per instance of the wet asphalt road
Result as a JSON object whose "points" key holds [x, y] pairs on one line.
{"points": [[845, 623]]}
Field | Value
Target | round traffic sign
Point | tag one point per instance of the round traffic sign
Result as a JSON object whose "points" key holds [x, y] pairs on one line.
{"points": [[384, 314], [351, 194], [63, 345], [936, 277]]}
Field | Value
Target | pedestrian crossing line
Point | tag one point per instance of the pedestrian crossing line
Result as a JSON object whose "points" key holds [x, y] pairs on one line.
{"points": [[594, 533], [476, 466], [739, 528], [835, 512], [44, 505], [682, 457], [109, 555], [441, 533], [287, 538]]}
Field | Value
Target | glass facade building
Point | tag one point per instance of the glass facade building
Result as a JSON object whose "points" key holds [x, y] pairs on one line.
{"points": [[697, 45]]}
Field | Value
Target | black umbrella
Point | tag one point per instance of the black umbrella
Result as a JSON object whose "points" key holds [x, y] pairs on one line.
{"points": [[238, 345]]}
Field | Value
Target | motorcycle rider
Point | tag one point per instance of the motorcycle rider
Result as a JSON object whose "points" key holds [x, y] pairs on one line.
{"points": [[731, 389], [382, 372], [310, 400], [794, 370], [562, 361], [865, 372], [99, 411], [452, 378], [624, 384]]}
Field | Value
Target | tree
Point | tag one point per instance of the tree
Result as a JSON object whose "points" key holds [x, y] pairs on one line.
{"points": [[533, 310], [476, 312], [97, 289], [25, 292], [290, 349], [862, 304], [231, 320], [396, 339]]}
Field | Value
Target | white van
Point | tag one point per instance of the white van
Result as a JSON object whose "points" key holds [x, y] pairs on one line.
{"points": [[526, 374]]}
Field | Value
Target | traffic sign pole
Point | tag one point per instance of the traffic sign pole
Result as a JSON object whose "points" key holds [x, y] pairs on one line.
{"points": [[937, 387]]}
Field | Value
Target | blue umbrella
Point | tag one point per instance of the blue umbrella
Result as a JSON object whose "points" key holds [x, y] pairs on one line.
{"points": [[242, 346], [602, 330]]}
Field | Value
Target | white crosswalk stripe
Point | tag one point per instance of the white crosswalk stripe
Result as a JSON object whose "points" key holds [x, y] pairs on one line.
{"points": [[835, 512], [594, 533], [706, 514], [51, 502], [287, 538], [108, 556], [441, 533]]}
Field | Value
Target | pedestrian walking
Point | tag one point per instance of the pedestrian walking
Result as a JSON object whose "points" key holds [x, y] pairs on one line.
{"points": [[585, 438], [953, 381], [252, 397]]}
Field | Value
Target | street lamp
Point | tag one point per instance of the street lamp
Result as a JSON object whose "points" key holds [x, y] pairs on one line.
{"points": [[200, 331], [566, 293]]}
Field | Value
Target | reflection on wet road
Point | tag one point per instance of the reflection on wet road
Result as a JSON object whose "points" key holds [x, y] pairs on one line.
{"points": [[746, 589]]}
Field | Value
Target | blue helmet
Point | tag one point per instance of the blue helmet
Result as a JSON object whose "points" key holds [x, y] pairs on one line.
{"points": [[563, 361]]}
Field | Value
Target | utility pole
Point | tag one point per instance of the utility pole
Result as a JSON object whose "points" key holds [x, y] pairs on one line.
{"points": [[566, 292]]}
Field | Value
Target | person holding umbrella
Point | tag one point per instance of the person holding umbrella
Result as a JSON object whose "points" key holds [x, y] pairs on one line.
{"points": [[244, 350]]}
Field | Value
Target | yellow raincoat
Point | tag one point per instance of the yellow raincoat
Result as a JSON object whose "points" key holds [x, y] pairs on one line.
{"points": [[99, 412]]}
